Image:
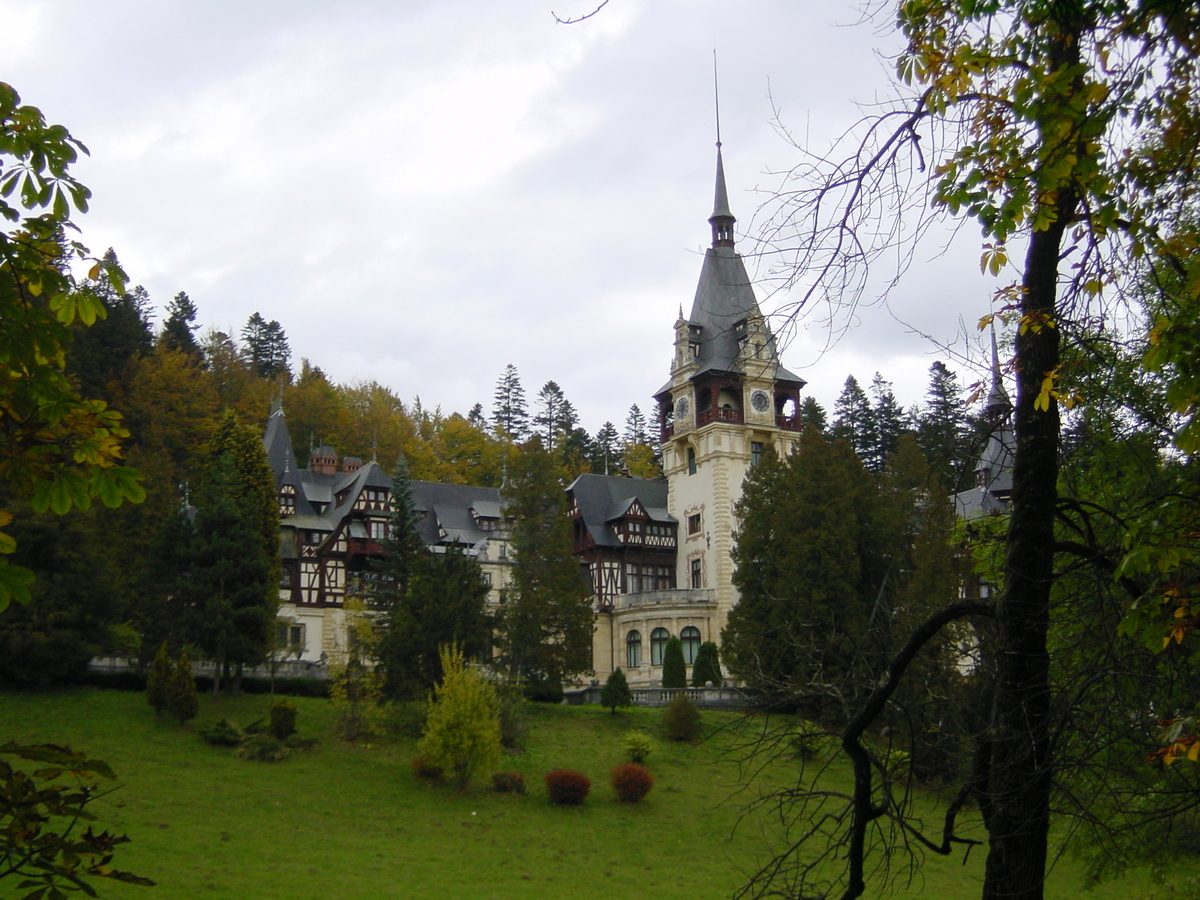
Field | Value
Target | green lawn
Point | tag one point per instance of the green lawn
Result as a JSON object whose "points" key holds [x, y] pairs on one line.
{"points": [[342, 822]]}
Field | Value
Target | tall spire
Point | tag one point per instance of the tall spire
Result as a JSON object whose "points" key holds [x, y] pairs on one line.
{"points": [[998, 404], [722, 219]]}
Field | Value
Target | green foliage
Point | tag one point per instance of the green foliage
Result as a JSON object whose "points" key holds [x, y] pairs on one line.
{"points": [[707, 667], [545, 621], [355, 685], [638, 745], [462, 732], [616, 692], [59, 451], [425, 768], [263, 747], [42, 845], [632, 782], [222, 734], [158, 680], [567, 787], [182, 702], [681, 719], [674, 674], [283, 719], [513, 727]]}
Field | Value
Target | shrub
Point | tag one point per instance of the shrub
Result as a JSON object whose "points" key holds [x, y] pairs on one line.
{"points": [[283, 719], [462, 731], [406, 719], [424, 767], [544, 691], [567, 788], [638, 745], [158, 681], [707, 667], [674, 669], [263, 748], [681, 720], [616, 692], [632, 782], [182, 700], [223, 734], [512, 715], [508, 783]]}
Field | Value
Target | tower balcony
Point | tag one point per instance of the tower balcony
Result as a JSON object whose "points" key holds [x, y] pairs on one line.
{"points": [[720, 414], [788, 423]]}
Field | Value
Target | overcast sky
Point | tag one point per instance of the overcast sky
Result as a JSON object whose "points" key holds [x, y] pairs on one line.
{"points": [[423, 191]]}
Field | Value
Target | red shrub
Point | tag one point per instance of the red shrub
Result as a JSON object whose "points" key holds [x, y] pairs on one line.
{"points": [[567, 788], [632, 781]]}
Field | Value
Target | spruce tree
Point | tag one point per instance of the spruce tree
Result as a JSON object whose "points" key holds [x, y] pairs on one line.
{"points": [[616, 692], [182, 702], [943, 429], [545, 621], [798, 627], [510, 415], [606, 450], [267, 347], [852, 420], [888, 421], [674, 674], [178, 331], [158, 681]]}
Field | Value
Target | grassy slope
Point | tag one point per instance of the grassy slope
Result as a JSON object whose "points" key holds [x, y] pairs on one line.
{"points": [[353, 822]]}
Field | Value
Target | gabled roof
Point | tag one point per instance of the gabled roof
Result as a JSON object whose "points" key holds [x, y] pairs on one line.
{"points": [[446, 512], [604, 499]]}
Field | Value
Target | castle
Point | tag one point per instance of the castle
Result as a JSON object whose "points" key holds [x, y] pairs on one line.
{"points": [[656, 553]]}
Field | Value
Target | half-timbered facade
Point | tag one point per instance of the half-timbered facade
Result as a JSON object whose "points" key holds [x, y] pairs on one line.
{"points": [[333, 514]]}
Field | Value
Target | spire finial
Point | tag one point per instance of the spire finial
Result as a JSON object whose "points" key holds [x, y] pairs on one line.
{"points": [[717, 99]]}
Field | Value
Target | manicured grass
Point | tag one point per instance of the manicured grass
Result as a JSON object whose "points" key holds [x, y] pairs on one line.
{"points": [[347, 822]]}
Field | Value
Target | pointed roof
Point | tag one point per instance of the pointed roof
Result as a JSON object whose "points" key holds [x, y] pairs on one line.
{"points": [[724, 296], [602, 499]]}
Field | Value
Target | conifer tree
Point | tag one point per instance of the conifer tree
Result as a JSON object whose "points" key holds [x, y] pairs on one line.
{"points": [[556, 417], [888, 421], [796, 632], [812, 414], [943, 429], [545, 622], [179, 331], [182, 702], [606, 450], [852, 420], [267, 348], [707, 667], [674, 674], [158, 681], [616, 692], [510, 415], [635, 427]]}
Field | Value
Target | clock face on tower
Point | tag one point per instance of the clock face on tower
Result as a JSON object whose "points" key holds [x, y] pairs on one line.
{"points": [[760, 401], [681, 408]]}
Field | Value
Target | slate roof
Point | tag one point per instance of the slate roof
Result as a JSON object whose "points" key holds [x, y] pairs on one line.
{"points": [[450, 511], [603, 499]]}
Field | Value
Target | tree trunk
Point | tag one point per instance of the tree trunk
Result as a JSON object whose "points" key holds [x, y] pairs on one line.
{"points": [[1019, 781]]}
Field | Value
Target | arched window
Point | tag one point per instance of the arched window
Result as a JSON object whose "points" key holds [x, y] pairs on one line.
{"points": [[658, 641], [690, 638], [633, 650]]}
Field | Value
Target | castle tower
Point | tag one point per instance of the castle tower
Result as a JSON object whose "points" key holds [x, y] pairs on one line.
{"points": [[727, 401]]}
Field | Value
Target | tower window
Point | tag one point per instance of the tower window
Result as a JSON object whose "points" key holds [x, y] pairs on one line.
{"points": [[756, 453], [693, 523], [691, 461], [697, 575]]}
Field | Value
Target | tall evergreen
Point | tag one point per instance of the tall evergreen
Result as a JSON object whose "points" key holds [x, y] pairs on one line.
{"points": [[267, 347], [101, 352], [230, 588], [852, 419], [812, 415], [255, 483], [635, 427], [795, 634], [509, 412], [888, 423], [545, 621], [556, 417], [606, 450], [943, 429], [674, 669], [179, 329]]}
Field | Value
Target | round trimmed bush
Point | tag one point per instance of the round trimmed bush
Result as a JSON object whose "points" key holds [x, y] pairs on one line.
{"points": [[632, 782], [567, 788]]}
